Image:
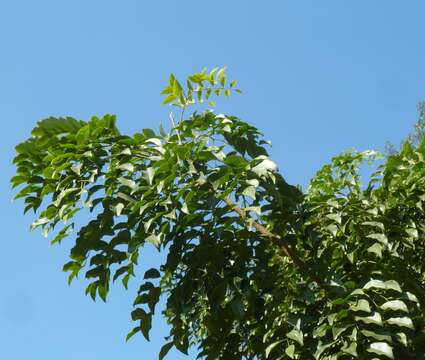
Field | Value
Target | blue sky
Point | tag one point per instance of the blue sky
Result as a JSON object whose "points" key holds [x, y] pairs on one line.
{"points": [[318, 78]]}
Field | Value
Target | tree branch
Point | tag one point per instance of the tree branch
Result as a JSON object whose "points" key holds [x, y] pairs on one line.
{"points": [[284, 248]]}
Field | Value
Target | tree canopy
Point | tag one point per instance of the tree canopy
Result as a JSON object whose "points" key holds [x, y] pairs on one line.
{"points": [[255, 267]]}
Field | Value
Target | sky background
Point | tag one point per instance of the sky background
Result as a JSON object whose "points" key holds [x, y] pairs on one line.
{"points": [[318, 78]]}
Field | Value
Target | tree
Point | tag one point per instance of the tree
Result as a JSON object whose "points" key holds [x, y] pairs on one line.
{"points": [[255, 268]]}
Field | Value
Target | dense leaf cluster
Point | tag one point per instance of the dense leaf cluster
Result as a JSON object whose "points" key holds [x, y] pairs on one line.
{"points": [[255, 269]]}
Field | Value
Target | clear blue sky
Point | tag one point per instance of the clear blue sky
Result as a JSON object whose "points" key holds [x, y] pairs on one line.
{"points": [[318, 76]]}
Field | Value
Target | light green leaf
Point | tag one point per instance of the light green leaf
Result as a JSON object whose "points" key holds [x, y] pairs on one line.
{"points": [[393, 285], [39, 222], [376, 249], [62, 234], [334, 217], [127, 166], [296, 335], [227, 129], [374, 319], [333, 229], [256, 209], [373, 211], [155, 141], [376, 336], [126, 151], [336, 331], [395, 305], [171, 215], [378, 284], [154, 239], [401, 321], [77, 168], [264, 167], [127, 182], [381, 348], [270, 348], [350, 349], [361, 305], [118, 209], [412, 232], [150, 173], [253, 182], [402, 338], [412, 297], [290, 351], [185, 209], [357, 292], [249, 191], [382, 238], [125, 197], [375, 224]]}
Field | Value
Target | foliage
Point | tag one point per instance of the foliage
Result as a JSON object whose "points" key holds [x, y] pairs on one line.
{"points": [[255, 268]]}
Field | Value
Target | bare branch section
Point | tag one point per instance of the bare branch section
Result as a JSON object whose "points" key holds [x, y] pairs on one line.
{"points": [[285, 249]]}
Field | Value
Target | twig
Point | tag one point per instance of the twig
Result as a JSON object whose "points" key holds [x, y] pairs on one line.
{"points": [[174, 127]]}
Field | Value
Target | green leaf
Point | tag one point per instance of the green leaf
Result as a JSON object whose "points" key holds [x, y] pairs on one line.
{"points": [[375, 224], [169, 99], [132, 333], [296, 335], [221, 73], [412, 232], [412, 297], [145, 321], [395, 305], [103, 292], [54, 126], [334, 217], [271, 347], [62, 234], [152, 274], [127, 182], [120, 272], [118, 208], [376, 336], [337, 331], [249, 191], [127, 166], [378, 284], [381, 348], [361, 305], [164, 350], [150, 173], [39, 222], [333, 229], [154, 240], [382, 238], [373, 319], [350, 348], [401, 321], [376, 249], [77, 168], [290, 351]]}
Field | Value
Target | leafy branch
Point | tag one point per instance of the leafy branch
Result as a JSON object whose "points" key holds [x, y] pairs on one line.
{"points": [[199, 88]]}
